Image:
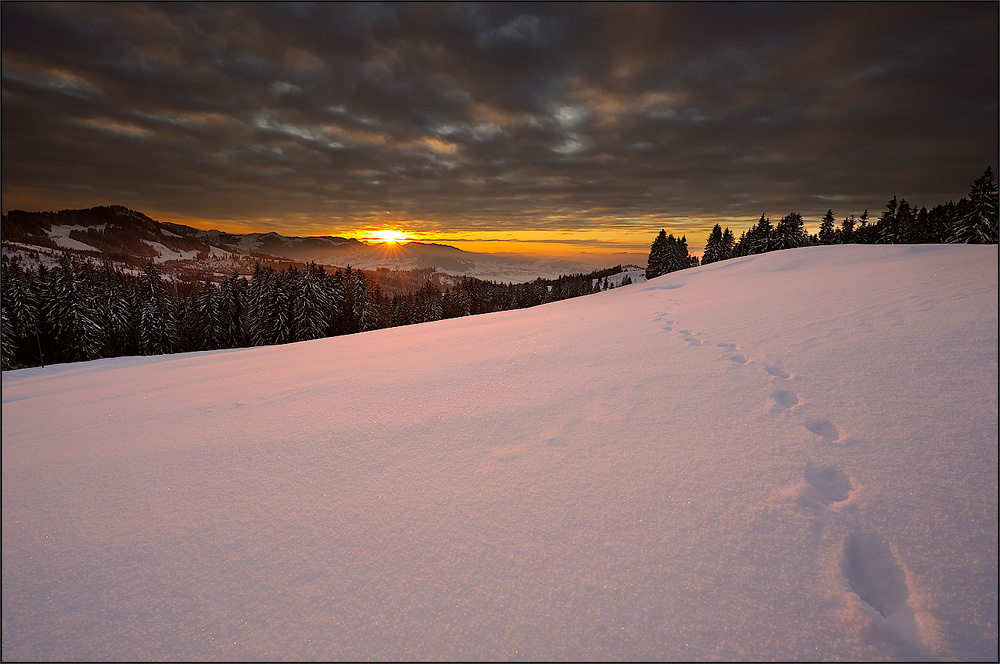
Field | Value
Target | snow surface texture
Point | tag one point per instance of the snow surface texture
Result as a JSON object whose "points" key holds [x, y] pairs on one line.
{"points": [[786, 456]]}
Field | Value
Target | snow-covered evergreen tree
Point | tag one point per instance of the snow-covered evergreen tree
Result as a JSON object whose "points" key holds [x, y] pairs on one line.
{"points": [[69, 310], [728, 242], [713, 246], [233, 295], [827, 229], [20, 315], [156, 325], [656, 265], [976, 222], [906, 224], [259, 316], [790, 232], [678, 256], [209, 316], [759, 238], [311, 306], [887, 227], [845, 234]]}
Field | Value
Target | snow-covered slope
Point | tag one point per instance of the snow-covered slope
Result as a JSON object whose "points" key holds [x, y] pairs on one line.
{"points": [[787, 456]]}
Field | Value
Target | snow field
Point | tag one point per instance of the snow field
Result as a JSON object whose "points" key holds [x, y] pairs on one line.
{"points": [[786, 456]]}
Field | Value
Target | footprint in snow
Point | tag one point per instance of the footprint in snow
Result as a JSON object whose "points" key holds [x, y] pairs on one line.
{"points": [[829, 483], [777, 371], [689, 337], [785, 398], [738, 358], [824, 428], [874, 573]]}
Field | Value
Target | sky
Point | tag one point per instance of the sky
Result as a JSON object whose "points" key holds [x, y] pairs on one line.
{"points": [[496, 127]]}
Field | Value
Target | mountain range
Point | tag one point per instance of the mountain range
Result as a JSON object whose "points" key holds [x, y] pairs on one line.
{"points": [[119, 233]]}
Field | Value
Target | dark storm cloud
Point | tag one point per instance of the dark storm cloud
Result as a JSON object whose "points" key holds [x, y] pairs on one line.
{"points": [[496, 115]]}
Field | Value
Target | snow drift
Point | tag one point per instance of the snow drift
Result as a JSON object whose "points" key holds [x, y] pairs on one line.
{"points": [[785, 456]]}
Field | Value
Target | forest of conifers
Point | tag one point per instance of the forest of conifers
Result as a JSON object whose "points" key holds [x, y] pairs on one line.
{"points": [[81, 311], [973, 220]]}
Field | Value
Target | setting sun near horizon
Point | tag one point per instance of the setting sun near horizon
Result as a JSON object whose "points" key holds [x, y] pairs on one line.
{"points": [[389, 236]]}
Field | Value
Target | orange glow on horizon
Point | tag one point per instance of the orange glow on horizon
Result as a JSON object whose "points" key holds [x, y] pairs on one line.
{"points": [[564, 242], [389, 236]]}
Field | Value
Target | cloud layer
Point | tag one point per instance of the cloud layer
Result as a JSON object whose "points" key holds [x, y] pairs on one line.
{"points": [[587, 118]]}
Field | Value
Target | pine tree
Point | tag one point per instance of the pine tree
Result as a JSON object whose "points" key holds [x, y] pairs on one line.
{"points": [[922, 227], [865, 233], [713, 246], [940, 220], [678, 256], [759, 238], [976, 222], [719, 246], [69, 309], [657, 262], [846, 230], [906, 224], [281, 300], [209, 317], [887, 227], [232, 314], [827, 234], [156, 328], [790, 232], [20, 318], [728, 243], [311, 305], [259, 314], [742, 246]]}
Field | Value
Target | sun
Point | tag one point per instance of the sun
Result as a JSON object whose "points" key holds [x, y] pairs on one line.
{"points": [[389, 236]]}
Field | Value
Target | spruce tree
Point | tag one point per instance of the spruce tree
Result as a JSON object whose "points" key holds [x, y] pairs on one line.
{"points": [[211, 330], [865, 232], [678, 257], [713, 246], [657, 263], [759, 237], [20, 317], [311, 305], [906, 224], [827, 234], [156, 329], [846, 230], [790, 232], [728, 243], [887, 227], [976, 222]]}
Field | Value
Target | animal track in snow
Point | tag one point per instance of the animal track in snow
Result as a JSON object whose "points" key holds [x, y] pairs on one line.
{"points": [[874, 573], [738, 358], [777, 371], [830, 484], [785, 398], [823, 428]]}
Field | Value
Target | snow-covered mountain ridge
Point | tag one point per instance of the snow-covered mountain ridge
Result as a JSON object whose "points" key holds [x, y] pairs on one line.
{"points": [[113, 231], [785, 456]]}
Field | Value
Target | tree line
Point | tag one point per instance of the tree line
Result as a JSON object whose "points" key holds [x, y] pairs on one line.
{"points": [[79, 310], [973, 220]]}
